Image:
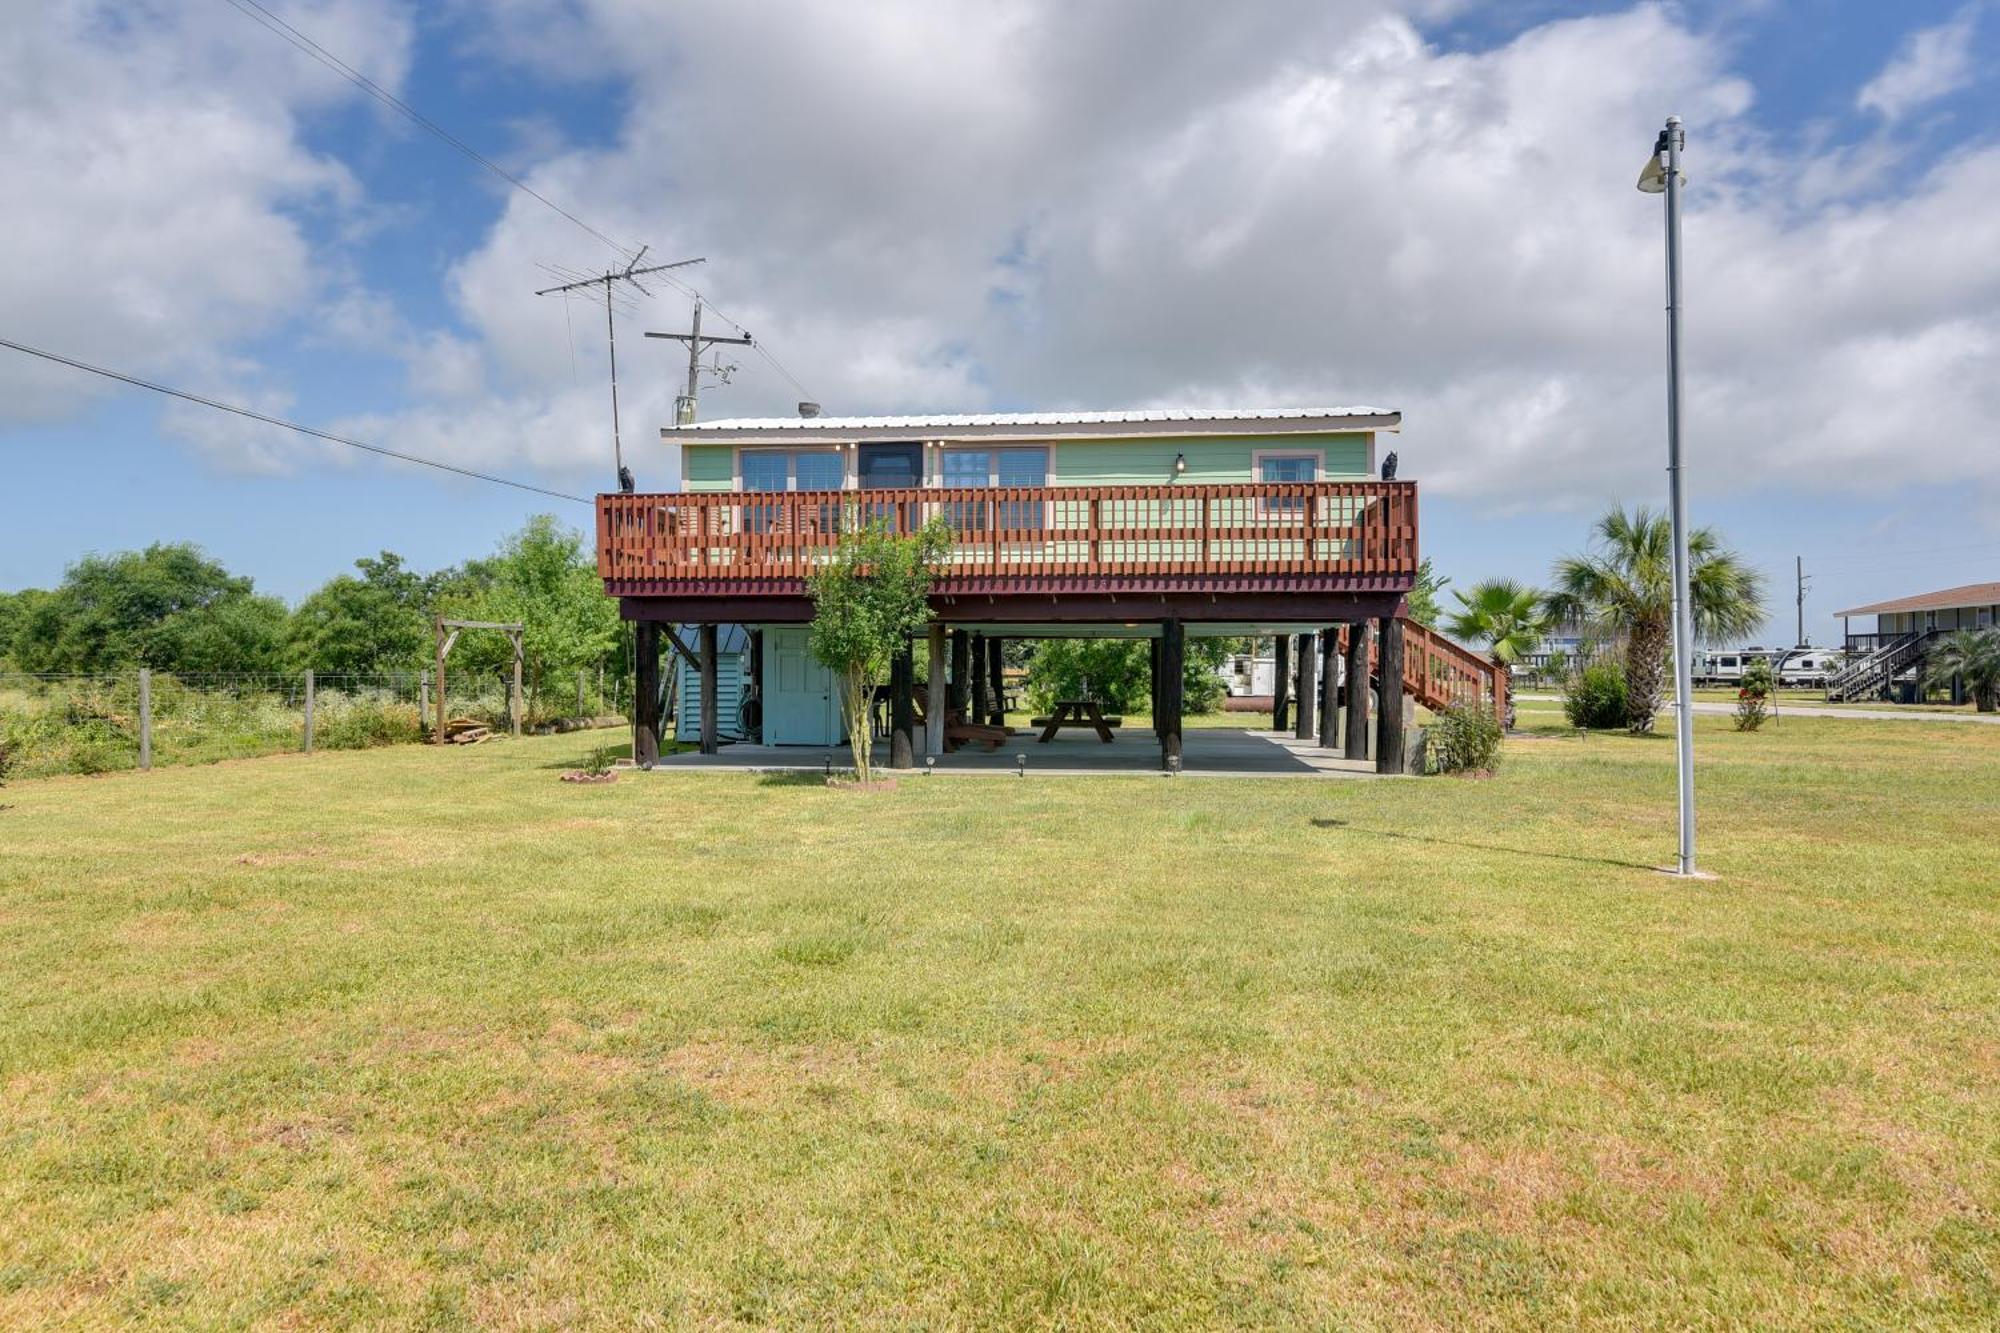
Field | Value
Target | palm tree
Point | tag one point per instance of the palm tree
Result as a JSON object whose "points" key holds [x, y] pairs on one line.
{"points": [[1973, 655], [1627, 582], [1507, 617]]}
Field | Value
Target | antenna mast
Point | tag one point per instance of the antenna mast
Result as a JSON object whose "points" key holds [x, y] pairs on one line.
{"points": [[630, 273]]}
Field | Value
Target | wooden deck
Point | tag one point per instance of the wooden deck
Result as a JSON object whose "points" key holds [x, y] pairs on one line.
{"points": [[1252, 537]]}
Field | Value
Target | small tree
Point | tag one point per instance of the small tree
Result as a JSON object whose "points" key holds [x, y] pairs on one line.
{"points": [[1753, 695], [868, 601]]}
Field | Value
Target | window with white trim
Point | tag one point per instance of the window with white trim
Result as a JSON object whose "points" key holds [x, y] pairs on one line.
{"points": [[967, 468]]}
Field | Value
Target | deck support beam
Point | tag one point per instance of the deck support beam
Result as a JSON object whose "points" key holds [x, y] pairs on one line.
{"points": [[646, 693], [710, 742], [1329, 688], [1357, 690], [1307, 694], [1281, 681], [903, 709], [1173, 654], [1389, 756], [934, 704]]}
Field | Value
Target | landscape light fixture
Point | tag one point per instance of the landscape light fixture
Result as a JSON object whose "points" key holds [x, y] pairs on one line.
{"points": [[1020, 766], [1663, 175], [930, 764]]}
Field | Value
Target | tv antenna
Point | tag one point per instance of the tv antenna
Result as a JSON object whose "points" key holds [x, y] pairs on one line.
{"points": [[631, 273], [685, 404]]}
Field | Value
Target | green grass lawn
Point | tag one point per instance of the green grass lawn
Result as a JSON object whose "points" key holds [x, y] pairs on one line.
{"points": [[412, 1037]]}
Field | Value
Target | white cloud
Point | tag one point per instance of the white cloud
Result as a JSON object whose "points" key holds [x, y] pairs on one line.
{"points": [[924, 204], [154, 181], [1931, 63]]}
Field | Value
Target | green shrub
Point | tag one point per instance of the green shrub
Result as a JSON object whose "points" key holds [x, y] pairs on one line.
{"points": [[1465, 739], [361, 724], [1595, 697]]}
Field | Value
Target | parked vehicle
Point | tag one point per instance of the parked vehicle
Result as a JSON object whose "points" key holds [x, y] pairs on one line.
{"points": [[1797, 668]]}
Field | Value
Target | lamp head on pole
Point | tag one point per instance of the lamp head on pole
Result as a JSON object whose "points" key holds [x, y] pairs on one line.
{"points": [[1653, 179]]}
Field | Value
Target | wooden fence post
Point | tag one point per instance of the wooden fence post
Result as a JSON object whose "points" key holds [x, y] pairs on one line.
{"points": [[309, 711], [579, 691], [145, 719], [514, 702]]}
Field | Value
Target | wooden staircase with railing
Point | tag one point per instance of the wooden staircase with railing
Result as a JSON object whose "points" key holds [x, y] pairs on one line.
{"points": [[1439, 673], [1869, 676]]}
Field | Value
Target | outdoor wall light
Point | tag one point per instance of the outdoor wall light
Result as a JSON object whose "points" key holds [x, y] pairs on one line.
{"points": [[1180, 464]]}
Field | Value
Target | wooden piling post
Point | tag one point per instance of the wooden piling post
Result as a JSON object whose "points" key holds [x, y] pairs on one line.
{"points": [[646, 694], [996, 667], [1389, 756], [902, 709], [145, 719], [1329, 688], [1281, 681], [309, 711], [1173, 654], [934, 703], [961, 672], [1357, 690], [1308, 693], [982, 699]]}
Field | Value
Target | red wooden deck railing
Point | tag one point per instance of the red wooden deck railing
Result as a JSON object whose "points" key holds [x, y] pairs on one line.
{"points": [[1358, 532]]}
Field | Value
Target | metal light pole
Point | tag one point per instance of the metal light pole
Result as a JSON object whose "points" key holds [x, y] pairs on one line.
{"points": [[1664, 177]]}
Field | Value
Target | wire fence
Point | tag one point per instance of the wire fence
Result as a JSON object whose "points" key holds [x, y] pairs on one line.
{"points": [[103, 722]]}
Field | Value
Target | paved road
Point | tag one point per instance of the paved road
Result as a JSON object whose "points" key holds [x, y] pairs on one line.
{"points": [[1808, 710]]}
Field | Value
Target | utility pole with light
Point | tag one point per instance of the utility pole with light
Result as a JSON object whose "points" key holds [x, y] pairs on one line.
{"points": [[686, 404], [1663, 176]]}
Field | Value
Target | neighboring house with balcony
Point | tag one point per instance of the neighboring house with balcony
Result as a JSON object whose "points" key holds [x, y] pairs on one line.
{"points": [[1886, 658], [1149, 524]]}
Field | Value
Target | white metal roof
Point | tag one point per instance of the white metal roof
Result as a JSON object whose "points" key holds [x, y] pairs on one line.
{"points": [[1176, 421]]}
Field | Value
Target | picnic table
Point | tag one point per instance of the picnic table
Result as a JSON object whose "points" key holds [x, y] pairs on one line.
{"points": [[1076, 713]]}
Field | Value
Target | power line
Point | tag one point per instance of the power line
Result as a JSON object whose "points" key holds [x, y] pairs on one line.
{"points": [[171, 392], [251, 9], [756, 344]]}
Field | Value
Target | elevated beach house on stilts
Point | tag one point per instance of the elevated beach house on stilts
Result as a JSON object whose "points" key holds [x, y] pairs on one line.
{"points": [[1145, 524]]}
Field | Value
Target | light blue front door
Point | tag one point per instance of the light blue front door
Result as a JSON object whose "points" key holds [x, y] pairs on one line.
{"points": [[800, 703]]}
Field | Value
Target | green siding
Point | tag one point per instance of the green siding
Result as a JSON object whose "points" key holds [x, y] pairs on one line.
{"points": [[708, 467], [1151, 462], [1124, 462]]}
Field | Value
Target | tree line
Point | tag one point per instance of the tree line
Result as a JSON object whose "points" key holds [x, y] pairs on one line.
{"points": [[174, 608]]}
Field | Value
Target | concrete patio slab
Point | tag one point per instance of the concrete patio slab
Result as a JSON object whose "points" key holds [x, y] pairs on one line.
{"points": [[1206, 752]]}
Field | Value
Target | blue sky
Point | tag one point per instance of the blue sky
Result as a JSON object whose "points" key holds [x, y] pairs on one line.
{"points": [[926, 208]]}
